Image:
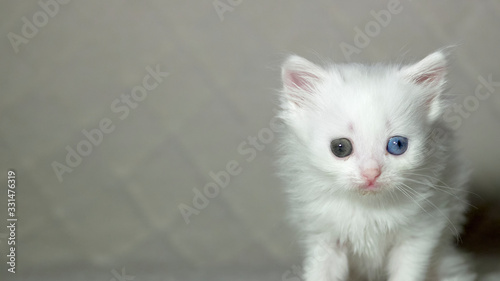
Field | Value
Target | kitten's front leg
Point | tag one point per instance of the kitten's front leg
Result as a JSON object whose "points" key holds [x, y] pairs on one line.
{"points": [[325, 261], [410, 259]]}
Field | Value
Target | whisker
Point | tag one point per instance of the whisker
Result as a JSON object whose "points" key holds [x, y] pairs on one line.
{"points": [[442, 189], [444, 185], [413, 199], [453, 229]]}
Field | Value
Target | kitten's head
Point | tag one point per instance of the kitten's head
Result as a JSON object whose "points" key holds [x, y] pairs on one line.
{"points": [[364, 127]]}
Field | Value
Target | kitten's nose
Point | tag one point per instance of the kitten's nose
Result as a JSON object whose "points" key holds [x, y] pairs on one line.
{"points": [[371, 174]]}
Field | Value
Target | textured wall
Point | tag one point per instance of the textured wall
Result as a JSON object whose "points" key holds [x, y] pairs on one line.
{"points": [[170, 91]]}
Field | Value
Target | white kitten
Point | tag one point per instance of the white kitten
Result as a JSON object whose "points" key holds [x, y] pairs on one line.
{"points": [[373, 179]]}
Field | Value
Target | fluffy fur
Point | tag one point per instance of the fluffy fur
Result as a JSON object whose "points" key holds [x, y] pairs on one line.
{"points": [[401, 230]]}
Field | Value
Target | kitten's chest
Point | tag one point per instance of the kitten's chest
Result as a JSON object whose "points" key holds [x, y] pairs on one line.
{"points": [[367, 234], [367, 250], [367, 253]]}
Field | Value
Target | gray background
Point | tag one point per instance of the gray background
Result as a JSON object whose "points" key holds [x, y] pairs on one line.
{"points": [[119, 208]]}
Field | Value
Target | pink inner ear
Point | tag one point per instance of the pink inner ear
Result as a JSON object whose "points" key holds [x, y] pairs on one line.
{"points": [[429, 77], [300, 80], [300, 85]]}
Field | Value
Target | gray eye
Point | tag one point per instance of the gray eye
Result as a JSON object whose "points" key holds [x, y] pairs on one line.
{"points": [[341, 147]]}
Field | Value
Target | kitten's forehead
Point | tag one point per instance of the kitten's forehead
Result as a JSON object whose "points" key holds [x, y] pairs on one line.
{"points": [[368, 101]]}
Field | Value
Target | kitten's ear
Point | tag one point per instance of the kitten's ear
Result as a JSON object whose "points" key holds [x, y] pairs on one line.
{"points": [[430, 73], [300, 80]]}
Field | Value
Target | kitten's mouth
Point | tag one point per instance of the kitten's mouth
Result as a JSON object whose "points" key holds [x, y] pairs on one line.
{"points": [[370, 188], [371, 185]]}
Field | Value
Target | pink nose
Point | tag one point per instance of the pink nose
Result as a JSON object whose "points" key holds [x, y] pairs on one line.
{"points": [[371, 174]]}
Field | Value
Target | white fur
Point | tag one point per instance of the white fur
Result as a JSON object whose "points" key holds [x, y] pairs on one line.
{"points": [[403, 230]]}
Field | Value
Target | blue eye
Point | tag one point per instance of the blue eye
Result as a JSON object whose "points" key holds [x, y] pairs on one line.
{"points": [[397, 145]]}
